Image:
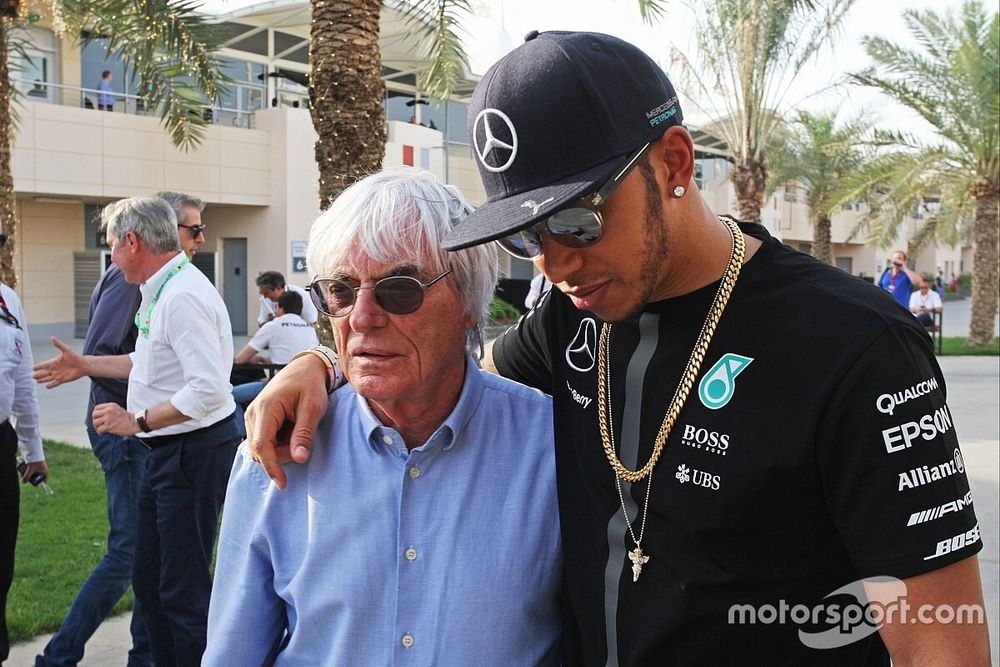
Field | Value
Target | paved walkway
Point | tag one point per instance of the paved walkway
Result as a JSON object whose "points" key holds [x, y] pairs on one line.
{"points": [[973, 396]]}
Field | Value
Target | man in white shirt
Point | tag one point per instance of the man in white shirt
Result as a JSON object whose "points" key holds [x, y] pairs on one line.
{"points": [[539, 286], [17, 400], [924, 304], [282, 338], [272, 285], [180, 407]]}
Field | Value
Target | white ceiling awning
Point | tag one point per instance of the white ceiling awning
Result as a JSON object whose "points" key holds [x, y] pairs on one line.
{"points": [[399, 47]]}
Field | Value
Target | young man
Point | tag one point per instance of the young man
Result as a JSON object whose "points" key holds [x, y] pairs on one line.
{"points": [[281, 339], [685, 344], [272, 285]]}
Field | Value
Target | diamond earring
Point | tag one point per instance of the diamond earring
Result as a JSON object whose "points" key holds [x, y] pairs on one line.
{"points": [[679, 191]]}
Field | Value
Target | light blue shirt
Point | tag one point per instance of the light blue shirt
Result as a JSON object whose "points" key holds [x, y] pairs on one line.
{"points": [[447, 555]]}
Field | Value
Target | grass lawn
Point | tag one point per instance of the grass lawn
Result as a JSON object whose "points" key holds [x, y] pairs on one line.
{"points": [[955, 346], [61, 539]]}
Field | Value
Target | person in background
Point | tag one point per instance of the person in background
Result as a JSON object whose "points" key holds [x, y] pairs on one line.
{"points": [[190, 228], [899, 280], [111, 331], [924, 304], [282, 338], [17, 402], [271, 285], [180, 406], [105, 96]]}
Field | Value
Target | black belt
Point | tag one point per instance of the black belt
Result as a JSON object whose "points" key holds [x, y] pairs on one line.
{"points": [[157, 441]]}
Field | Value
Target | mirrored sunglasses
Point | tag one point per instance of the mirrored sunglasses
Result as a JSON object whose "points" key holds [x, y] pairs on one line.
{"points": [[576, 225], [399, 295]]}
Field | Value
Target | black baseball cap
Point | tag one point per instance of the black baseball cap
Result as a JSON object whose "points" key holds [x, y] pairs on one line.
{"points": [[553, 120]]}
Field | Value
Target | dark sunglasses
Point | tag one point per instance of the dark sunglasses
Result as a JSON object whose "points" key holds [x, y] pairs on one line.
{"points": [[577, 225], [399, 295], [195, 230]]}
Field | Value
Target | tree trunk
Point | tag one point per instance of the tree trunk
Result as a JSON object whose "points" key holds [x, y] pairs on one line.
{"points": [[345, 99], [8, 213], [749, 180], [822, 248], [346, 92], [985, 267]]}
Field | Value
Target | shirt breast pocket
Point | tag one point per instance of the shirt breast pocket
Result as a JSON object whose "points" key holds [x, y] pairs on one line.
{"points": [[142, 362]]}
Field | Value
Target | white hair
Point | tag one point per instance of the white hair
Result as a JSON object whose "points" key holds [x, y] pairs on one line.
{"points": [[400, 216]]}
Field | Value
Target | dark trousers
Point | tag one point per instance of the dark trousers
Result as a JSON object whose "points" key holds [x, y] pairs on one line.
{"points": [[179, 503], [10, 512]]}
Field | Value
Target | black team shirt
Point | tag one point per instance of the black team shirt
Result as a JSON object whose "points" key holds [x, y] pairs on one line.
{"points": [[815, 448]]}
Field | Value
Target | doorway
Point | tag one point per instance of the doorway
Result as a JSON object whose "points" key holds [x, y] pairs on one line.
{"points": [[234, 282]]}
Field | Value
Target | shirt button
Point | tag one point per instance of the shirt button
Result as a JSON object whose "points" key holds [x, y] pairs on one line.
{"points": [[411, 554], [414, 472], [407, 640], [387, 439]]}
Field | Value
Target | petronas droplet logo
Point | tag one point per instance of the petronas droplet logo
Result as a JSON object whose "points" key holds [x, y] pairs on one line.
{"points": [[719, 383]]}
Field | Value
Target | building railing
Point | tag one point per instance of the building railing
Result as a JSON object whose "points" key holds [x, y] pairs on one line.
{"points": [[79, 96]]}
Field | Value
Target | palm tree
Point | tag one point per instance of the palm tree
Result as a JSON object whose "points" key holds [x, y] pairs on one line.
{"points": [[168, 46], [953, 82], [814, 154], [750, 53], [345, 83]]}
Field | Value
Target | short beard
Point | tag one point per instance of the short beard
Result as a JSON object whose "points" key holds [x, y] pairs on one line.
{"points": [[655, 250]]}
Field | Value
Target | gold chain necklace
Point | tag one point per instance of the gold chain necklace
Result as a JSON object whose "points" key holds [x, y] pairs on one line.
{"points": [[722, 294]]}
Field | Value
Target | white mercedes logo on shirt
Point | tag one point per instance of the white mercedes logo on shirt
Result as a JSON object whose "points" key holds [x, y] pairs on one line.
{"points": [[580, 351], [488, 118]]}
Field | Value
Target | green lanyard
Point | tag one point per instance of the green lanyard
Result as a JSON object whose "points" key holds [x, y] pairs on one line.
{"points": [[144, 327]]}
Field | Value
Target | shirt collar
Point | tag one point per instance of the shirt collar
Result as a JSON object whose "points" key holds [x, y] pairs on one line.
{"points": [[148, 288], [446, 435]]}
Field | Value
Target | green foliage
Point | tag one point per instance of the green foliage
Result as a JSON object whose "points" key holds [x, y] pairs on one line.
{"points": [[816, 152], [750, 52], [61, 538], [965, 281], [953, 82], [435, 31], [501, 311], [956, 346], [169, 47]]}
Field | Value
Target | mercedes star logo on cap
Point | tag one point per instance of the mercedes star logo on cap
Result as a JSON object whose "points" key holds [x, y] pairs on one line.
{"points": [[492, 144]]}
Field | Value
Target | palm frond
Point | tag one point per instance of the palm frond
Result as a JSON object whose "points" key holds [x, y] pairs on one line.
{"points": [[436, 29], [170, 49]]}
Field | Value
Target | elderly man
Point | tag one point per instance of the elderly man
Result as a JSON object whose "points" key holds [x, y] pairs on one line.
{"points": [[429, 534], [272, 285], [180, 407], [685, 344]]}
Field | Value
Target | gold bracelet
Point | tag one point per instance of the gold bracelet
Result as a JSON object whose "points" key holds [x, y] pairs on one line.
{"points": [[329, 359]]}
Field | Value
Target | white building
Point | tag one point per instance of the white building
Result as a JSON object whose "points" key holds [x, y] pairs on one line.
{"points": [[255, 169]]}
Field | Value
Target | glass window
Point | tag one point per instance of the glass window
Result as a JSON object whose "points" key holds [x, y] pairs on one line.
{"points": [[458, 113]]}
